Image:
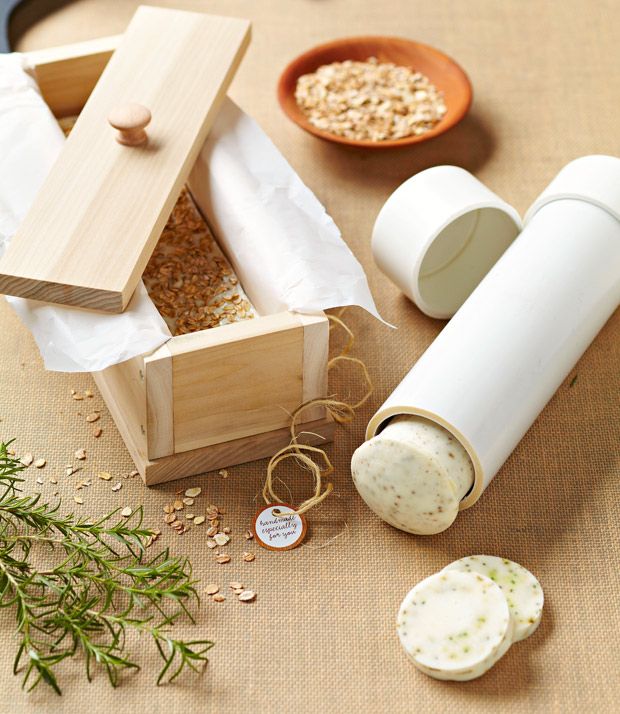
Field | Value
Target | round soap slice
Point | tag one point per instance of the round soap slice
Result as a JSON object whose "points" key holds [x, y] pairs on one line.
{"points": [[413, 475], [455, 625], [522, 590]]}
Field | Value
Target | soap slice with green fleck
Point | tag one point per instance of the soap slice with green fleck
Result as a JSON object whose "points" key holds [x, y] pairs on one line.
{"points": [[522, 590], [455, 625]]}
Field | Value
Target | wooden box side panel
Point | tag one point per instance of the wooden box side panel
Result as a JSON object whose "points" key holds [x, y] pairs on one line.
{"points": [[159, 400], [123, 389], [237, 380], [67, 75]]}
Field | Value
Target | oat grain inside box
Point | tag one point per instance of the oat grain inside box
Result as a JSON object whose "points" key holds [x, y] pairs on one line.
{"points": [[188, 277]]}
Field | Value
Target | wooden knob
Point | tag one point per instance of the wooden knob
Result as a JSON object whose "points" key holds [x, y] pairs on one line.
{"points": [[130, 120]]}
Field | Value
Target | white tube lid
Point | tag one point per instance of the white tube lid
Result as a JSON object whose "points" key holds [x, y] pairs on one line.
{"points": [[595, 179], [439, 234]]}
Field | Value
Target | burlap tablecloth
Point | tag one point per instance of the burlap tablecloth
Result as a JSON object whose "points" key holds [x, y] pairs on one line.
{"points": [[320, 637]]}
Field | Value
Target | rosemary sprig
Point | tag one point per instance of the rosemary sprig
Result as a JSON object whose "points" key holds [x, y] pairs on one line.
{"points": [[79, 587]]}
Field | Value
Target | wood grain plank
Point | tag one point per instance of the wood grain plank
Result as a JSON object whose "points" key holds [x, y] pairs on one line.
{"points": [[68, 74], [123, 390], [229, 453], [97, 218], [316, 348], [159, 413], [236, 380]]}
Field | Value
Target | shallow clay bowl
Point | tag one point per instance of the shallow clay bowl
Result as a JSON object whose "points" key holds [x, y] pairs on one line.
{"points": [[443, 72]]}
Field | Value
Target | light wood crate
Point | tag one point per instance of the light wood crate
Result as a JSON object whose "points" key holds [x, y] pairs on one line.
{"points": [[208, 399]]}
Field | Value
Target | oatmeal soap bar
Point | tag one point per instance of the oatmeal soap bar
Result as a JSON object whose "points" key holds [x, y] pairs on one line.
{"points": [[526, 305], [414, 475]]}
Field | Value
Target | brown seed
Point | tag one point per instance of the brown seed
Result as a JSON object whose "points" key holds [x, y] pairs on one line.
{"points": [[223, 558], [212, 588], [247, 596], [219, 597], [27, 459], [126, 512], [93, 417], [40, 463], [105, 476]]}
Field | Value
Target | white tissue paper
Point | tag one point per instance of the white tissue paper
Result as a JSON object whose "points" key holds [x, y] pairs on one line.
{"points": [[267, 221]]}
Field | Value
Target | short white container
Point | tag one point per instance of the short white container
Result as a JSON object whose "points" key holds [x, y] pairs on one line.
{"points": [[499, 360]]}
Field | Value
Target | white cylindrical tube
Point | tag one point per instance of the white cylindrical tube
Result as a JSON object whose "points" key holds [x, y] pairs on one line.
{"points": [[492, 369]]}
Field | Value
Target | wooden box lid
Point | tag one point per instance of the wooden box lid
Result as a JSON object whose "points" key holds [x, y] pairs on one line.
{"points": [[97, 218]]}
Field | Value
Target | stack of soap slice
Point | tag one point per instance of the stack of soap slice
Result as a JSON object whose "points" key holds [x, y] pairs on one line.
{"points": [[458, 623]]}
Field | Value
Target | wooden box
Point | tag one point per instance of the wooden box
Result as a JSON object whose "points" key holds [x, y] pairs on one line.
{"points": [[208, 399]]}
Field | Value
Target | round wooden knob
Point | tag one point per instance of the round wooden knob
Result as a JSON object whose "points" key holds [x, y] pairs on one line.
{"points": [[130, 120]]}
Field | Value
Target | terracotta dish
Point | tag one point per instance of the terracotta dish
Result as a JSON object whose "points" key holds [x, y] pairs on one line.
{"points": [[443, 72]]}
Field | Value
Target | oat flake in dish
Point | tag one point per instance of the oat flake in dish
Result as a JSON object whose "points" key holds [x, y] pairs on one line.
{"points": [[370, 101]]}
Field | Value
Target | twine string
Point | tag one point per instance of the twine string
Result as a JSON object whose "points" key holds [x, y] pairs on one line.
{"points": [[341, 412]]}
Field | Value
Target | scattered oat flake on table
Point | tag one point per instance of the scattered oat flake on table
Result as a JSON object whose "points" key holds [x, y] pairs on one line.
{"points": [[248, 557], [188, 501], [178, 505], [235, 585], [223, 558], [77, 397], [40, 463], [212, 588], [93, 417], [247, 596], [88, 393], [97, 432], [126, 512], [190, 516], [220, 538], [212, 531], [218, 597], [53, 480], [117, 486], [193, 492], [80, 454], [105, 476], [223, 473], [27, 459], [199, 520], [40, 481], [211, 544], [170, 518], [133, 473], [78, 500], [249, 535]]}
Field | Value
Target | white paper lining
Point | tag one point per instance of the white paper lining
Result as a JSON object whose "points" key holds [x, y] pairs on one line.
{"points": [[277, 234]]}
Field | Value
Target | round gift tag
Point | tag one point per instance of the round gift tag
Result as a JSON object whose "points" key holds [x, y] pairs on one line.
{"points": [[276, 532]]}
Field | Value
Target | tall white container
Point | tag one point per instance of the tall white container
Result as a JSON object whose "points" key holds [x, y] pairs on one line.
{"points": [[499, 360]]}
